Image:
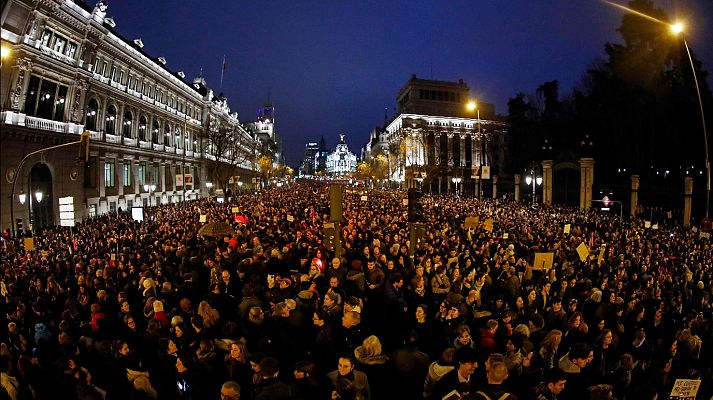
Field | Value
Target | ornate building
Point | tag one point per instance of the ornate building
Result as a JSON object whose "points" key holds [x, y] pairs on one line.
{"points": [[154, 136], [435, 138], [341, 161], [264, 129]]}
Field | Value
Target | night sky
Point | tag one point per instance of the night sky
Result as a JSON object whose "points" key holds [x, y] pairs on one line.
{"points": [[333, 66]]}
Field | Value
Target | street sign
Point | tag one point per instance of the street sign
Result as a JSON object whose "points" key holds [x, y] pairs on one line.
{"points": [[607, 202]]}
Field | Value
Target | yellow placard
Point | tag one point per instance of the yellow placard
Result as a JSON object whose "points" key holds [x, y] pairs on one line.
{"points": [[647, 224], [471, 222], [505, 235], [583, 251], [29, 244], [235, 210], [567, 228], [543, 261], [600, 259], [488, 224], [203, 218]]}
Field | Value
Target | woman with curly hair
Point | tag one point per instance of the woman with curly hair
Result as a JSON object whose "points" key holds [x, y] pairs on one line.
{"points": [[211, 316], [577, 330], [549, 347]]}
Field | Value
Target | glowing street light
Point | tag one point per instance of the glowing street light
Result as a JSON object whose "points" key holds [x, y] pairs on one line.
{"points": [[22, 197], [38, 196], [677, 29]]}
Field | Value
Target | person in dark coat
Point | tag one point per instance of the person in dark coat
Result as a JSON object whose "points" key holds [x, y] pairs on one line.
{"points": [[410, 366], [270, 386], [459, 379]]}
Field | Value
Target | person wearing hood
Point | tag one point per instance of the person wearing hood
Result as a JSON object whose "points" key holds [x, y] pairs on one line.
{"points": [[370, 360]]}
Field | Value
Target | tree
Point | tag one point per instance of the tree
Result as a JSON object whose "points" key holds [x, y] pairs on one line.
{"points": [[227, 148]]}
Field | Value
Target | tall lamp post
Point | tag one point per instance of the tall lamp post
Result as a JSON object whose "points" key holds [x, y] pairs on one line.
{"points": [[456, 180], [534, 182], [149, 189], [677, 29], [473, 106]]}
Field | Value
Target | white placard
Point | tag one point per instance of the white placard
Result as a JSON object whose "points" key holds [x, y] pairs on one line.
{"points": [[685, 388], [202, 218], [647, 224], [405, 201], [137, 213], [290, 218], [364, 198]]}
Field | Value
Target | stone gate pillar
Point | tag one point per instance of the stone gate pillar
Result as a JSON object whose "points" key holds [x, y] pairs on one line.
{"points": [[634, 194], [688, 192], [547, 182], [518, 179], [495, 186], [586, 179]]}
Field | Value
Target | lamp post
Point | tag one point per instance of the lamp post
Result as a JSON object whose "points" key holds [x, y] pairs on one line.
{"points": [[534, 181], [149, 189], [677, 29], [473, 106], [456, 180]]}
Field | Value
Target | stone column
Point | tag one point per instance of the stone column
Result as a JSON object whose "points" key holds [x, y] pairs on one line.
{"points": [[473, 160], [547, 182], [462, 150], [688, 192], [450, 151], [495, 186], [78, 101], [586, 176], [634, 195], [437, 152], [22, 81], [518, 179]]}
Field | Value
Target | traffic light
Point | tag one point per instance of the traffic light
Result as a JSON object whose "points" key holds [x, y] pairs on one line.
{"points": [[83, 154], [415, 208]]}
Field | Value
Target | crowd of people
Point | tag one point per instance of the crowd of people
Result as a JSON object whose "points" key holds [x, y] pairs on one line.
{"points": [[114, 308]]}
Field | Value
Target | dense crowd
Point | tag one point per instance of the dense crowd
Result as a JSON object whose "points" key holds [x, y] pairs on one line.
{"points": [[119, 309]]}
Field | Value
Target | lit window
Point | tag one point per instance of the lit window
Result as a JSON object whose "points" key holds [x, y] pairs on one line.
{"points": [[109, 173]]}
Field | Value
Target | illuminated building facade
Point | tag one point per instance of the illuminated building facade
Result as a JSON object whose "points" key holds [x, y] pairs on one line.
{"points": [[70, 71]]}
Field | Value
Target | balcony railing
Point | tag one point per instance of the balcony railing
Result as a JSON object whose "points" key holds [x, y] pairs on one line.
{"points": [[144, 145], [20, 119], [112, 138], [130, 141], [158, 147], [170, 149]]}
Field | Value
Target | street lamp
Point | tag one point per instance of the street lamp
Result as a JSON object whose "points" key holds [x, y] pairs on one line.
{"points": [[38, 196], [534, 181], [456, 180], [677, 29], [4, 53], [22, 197], [149, 189]]}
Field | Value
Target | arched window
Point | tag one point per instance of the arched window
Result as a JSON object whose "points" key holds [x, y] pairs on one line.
{"points": [[126, 125], [155, 130], [110, 123], [142, 128], [167, 135], [91, 120]]}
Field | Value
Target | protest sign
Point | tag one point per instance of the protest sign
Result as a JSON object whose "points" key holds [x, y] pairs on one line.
{"points": [[685, 388], [583, 251]]}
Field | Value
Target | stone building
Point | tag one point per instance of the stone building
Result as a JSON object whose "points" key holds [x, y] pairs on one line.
{"points": [[153, 134], [436, 140]]}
